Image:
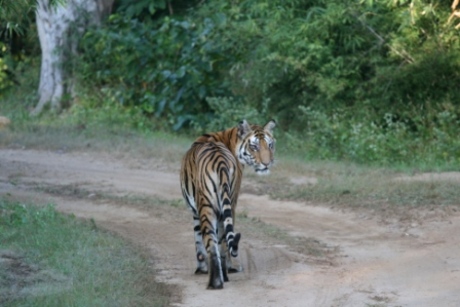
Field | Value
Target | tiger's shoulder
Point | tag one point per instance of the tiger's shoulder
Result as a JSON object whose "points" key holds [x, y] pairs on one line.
{"points": [[225, 136]]}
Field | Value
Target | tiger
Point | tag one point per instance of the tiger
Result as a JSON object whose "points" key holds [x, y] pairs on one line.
{"points": [[210, 180]]}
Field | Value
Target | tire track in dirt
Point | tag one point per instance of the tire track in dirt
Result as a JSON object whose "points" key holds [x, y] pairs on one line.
{"points": [[380, 265]]}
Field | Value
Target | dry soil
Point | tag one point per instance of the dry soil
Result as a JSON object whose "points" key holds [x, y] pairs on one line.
{"points": [[374, 264]]}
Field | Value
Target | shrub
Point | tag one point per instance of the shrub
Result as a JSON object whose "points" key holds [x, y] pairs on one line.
{"points": [[167, 71]]}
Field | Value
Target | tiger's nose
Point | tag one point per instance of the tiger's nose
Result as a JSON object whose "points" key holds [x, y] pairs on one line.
{"points": [[266, 164]]}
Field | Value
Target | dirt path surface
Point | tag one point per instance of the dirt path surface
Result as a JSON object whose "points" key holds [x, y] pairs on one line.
{"points": [[377, 264]]}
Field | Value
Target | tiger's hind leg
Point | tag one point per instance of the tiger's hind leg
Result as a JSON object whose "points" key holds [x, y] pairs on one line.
{"points": [[209, 231], [216, 276], [224, 254], [201, 254], [230, 264], [232, 239]]}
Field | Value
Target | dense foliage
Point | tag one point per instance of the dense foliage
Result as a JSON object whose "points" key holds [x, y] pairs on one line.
{"points": [[370, 81], [167, 72]]}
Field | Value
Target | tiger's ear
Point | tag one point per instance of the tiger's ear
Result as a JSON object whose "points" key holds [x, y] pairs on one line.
{"points": [[243, 129], [270, 125]]}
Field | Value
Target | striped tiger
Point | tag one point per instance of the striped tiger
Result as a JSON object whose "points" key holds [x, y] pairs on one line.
{"points": [[211, 174]]}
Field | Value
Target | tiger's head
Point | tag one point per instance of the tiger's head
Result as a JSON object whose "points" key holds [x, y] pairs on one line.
{"points": [[257, 146]]}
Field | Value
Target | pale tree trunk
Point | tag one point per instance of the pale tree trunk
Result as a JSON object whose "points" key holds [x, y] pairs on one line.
{"points": [[455, 13], [60, 27]]}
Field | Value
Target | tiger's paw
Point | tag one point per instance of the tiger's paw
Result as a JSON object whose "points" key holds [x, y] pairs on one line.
{"points": [[200, 271], [235, 269], [234, 265]]}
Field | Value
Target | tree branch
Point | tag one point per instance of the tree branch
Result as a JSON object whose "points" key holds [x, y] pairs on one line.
{"points": [[455, 13], [382, 40]]}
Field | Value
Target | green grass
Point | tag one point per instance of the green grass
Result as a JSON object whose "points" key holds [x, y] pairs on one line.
{"points": [[351, 185], [50, 259]]}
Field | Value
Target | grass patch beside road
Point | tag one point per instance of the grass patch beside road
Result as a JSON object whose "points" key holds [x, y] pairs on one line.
{"points": [[356, 186], [50, 259]]}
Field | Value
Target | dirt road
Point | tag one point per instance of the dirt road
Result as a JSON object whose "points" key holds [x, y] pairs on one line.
{"points": [[376, 264]]}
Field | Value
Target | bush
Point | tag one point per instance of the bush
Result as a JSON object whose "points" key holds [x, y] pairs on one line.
{"points": [[6, 80], [229, 111], [167, 71], [354, 135]]}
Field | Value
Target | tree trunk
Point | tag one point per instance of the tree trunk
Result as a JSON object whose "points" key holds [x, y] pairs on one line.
{"points": [[60, 27]]}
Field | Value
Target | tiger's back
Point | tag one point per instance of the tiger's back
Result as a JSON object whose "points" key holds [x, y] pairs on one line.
{"points": [[210, 169], [205, 154]]}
